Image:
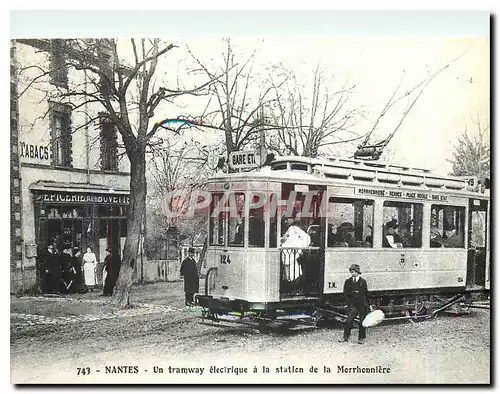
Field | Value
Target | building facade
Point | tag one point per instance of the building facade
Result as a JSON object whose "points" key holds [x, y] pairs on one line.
{"points": [[69, 174]]}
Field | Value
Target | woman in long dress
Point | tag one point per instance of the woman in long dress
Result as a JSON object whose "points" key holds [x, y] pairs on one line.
{"points": [[89, 268]]}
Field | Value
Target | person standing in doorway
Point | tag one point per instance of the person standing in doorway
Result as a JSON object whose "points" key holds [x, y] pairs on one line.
{"points": [[356, 294], [191, 279], [89, 269], [51, 269]]}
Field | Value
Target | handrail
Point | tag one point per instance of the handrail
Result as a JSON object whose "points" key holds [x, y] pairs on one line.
{"points": [[207, 277]]}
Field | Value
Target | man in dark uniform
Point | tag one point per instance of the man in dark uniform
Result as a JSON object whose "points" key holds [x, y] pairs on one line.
{"points": [[112, 263], [191, 279], [356, 294]]}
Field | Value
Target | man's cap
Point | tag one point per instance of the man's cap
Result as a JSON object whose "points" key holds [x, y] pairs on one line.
{"points": [[392, 224], [346, 226]]}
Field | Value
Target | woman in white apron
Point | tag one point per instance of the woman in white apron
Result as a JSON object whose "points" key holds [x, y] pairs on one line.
{"points": [[89, 269], [295, 239]]}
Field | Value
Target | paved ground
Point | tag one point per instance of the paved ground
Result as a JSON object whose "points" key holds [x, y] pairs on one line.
{"points": [[51, 337]]}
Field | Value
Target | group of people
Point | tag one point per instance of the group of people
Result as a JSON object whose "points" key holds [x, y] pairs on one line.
{"points": [[70, 272]]}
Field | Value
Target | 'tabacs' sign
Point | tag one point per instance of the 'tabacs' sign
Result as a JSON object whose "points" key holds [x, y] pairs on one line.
{"points": [[31, 151]]}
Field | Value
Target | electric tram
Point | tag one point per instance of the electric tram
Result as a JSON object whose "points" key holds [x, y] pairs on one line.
{"points": [[422, 240]]}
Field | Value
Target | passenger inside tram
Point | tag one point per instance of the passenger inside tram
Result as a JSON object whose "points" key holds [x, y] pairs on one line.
{"points": [[452, 239], [344, 237], [392, 239], [239, 233], [437, 239]]}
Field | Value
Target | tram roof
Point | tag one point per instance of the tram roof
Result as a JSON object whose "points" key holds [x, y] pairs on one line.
{"points": [[324, 171]]}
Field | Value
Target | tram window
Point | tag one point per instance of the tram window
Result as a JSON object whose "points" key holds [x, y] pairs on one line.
{"points": [[350, 223], [216, 222], [301, 167], [236, 228], [478, 226], [447, 226], [273, 222], [402, 225]]}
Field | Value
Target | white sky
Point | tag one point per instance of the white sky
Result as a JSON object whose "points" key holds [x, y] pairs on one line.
{"points": [[376, 65], [362, 47]]}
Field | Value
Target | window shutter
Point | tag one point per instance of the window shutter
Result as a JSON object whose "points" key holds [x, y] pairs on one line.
{"points": [[67, 138]]}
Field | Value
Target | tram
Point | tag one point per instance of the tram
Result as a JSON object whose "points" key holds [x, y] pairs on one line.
{"points": [[421, 240]]}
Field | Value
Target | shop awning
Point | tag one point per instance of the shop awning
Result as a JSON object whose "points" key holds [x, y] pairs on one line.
{"points": [[68, 187]]}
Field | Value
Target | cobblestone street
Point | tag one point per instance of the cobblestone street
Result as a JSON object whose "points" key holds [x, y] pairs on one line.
{"points": [[26, 319], [51, 337]]}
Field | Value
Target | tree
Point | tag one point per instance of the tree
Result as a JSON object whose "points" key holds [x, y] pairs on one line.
{"points": [[472, 153], [241, 99], [310, 125], [121, 78]]}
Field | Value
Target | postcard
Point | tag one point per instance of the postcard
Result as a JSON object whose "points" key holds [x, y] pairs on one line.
{"points": [[292, 197]]}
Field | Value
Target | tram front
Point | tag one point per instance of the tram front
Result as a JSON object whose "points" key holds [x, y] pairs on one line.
{"points": [[242, 266], [253, 261]]}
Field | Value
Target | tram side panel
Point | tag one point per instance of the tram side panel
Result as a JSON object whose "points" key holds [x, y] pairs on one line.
{"points": [[389, 270]]}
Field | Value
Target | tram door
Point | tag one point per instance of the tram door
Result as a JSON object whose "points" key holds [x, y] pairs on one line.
{"points": [[302, 249], [476, 255]]}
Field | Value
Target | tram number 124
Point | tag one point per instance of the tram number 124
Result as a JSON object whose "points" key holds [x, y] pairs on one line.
{"points": [[224, 259]]}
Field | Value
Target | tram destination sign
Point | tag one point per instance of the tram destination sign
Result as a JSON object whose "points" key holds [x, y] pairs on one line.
{"points": [[244, 159], [401, 194]]}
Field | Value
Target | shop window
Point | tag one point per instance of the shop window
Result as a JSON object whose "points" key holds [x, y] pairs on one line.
{"points": [[236, 229], [58, 67], [62, 139], [447, 226], [104, 211], [89, 211], [216, 222], [71, 212], [53, 212], [109, 146], [350, 223], [123, 210], [103, 228], [402, 225]]}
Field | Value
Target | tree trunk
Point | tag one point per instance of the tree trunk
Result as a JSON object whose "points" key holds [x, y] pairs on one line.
{"points": [[134, 227]]}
